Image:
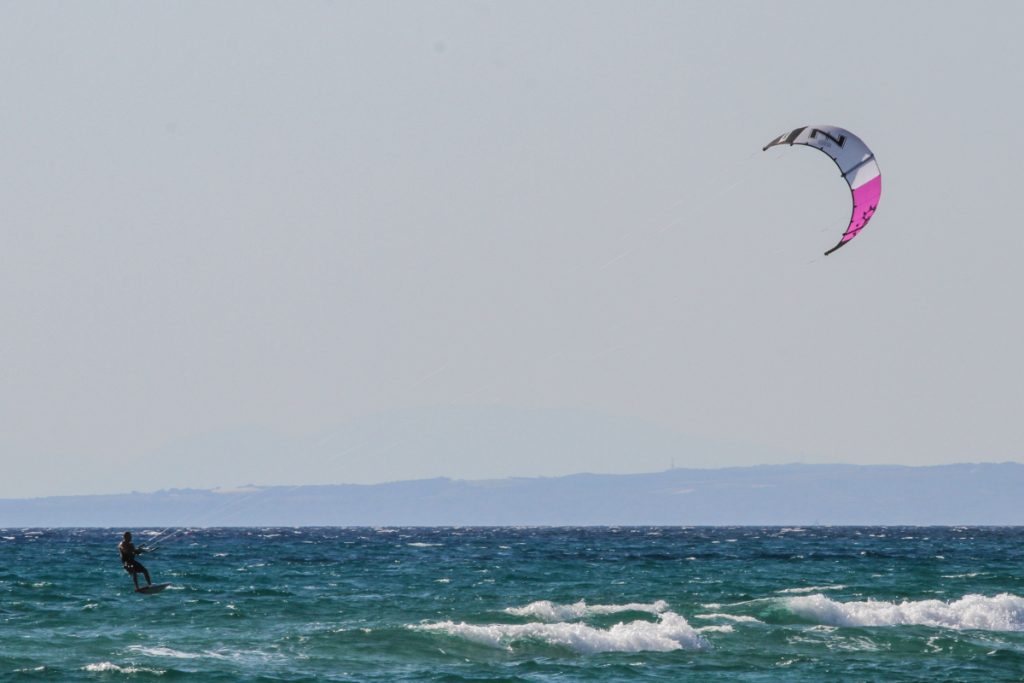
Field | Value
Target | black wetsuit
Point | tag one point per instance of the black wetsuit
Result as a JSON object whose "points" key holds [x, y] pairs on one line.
{"points": [[131, 565]]}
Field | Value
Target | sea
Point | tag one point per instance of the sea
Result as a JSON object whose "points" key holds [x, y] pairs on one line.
{"points": [[517, 604]]}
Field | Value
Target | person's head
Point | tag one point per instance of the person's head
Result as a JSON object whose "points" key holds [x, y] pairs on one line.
{"points": [[128, 536]]}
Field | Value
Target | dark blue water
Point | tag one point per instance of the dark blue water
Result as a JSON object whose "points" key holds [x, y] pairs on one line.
{"points": [[649, 604]]}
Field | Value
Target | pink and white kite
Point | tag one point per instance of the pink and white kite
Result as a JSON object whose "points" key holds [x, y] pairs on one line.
{"points": [[855, 162]]}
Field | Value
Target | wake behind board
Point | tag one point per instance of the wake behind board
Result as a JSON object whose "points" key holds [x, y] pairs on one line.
{"points": [[155, 588]]}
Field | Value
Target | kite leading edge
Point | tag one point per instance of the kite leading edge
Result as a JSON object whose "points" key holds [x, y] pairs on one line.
{"points": [[856, 163]]}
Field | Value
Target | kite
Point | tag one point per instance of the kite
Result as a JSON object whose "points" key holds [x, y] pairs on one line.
{"points": [[856, 163]]}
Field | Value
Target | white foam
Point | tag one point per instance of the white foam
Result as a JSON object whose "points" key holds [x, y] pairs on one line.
{"points": [[812, 589], [549, 611], [104, 667], [169, 652], [739, 618], [232, 655], [1003, 612], [670, 632], [420, 544]]}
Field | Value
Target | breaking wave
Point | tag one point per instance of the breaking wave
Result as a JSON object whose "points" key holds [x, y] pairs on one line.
{"points": [[738, 618], [549, 611], [1003, 612], [670, 632]]}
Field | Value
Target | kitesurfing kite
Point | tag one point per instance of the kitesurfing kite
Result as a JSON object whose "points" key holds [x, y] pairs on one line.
{"points": [[855, 162]]}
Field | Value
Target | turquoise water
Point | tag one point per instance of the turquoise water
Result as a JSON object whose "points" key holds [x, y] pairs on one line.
{"points": [[421, 604]]}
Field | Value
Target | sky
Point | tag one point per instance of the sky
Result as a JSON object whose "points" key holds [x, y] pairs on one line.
{"points": [[354, 242]]}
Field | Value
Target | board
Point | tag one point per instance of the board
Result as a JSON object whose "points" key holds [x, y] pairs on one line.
{"points": [[155, 588]]}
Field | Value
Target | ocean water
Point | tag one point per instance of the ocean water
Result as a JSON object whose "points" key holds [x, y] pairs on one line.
{"points": [[517, 604]]}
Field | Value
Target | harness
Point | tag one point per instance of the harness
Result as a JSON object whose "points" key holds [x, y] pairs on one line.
{"points": [[127, 558]]}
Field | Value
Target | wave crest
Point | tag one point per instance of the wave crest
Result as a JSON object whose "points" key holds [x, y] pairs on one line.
{"points": [[1003, 612], [670, 632], [110, 667], [546, 610]]}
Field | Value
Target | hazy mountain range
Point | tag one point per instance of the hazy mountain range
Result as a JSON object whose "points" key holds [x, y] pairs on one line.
{"points": [[967, 494]]}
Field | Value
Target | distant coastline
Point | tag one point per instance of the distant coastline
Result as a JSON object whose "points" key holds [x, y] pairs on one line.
{"points": [[985, 494]]}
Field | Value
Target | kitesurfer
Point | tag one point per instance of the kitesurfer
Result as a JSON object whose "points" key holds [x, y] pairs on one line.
{"points": [[128, 554]]}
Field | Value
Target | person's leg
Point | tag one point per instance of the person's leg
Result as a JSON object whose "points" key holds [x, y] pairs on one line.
{"points": [[145, 572]]}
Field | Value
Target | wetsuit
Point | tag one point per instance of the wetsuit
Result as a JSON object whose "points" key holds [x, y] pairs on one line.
{"points": [[131, 565]]}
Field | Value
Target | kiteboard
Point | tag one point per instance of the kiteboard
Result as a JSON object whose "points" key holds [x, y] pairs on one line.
{"points": [[155, 588]]}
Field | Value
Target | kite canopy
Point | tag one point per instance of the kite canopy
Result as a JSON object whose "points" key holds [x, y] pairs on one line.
{"points": [[856, 163]]}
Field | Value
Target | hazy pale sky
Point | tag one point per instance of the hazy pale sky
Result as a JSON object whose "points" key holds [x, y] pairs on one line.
{"points": [[329, 242]]}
